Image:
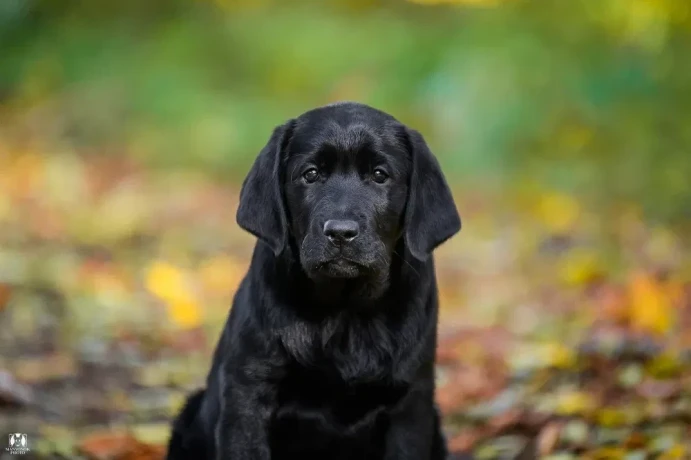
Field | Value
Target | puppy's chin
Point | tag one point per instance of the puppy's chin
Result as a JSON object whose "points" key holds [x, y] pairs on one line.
{"points": [[342, 268], [339, 269], [324, 262], [353, 280]]}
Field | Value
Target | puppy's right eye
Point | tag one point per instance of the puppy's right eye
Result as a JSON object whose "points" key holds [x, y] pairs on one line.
{"points": [[311, 175]]}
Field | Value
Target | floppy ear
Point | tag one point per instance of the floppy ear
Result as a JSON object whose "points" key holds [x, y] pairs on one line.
{"points": [[261, 211], [431, 216]]}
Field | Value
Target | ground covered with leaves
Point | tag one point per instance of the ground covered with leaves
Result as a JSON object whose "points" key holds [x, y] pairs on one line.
{"points": [[564, 334]]}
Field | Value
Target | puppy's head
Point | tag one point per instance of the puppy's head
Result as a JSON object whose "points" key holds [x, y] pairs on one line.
{"points": [[346, 183]]}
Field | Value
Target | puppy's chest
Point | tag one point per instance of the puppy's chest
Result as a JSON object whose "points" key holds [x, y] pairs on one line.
{"points": [[314, 397], [347, 348]]}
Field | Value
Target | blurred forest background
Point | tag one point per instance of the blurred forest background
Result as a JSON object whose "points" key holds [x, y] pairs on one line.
{"points": [[126, 128]]}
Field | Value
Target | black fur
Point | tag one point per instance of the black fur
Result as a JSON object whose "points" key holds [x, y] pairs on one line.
{"points": [[328, 351]]}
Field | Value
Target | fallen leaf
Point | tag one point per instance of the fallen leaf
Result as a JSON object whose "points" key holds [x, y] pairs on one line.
{"points": [[579, 267], [574, 403], [5, 294], [611, 304], [464, 441], [447, 355], [557, 211], [152, 433], [173, 286], [505, 420], [107, 445], [611, 417], [185, 313], [678, 452], [664, 366], [119, 446], [608, 453], [146, 452], [187, 340], [651, 306], [450, 397], [637, 440], [484, 343], [168, 282], [549, 437]]}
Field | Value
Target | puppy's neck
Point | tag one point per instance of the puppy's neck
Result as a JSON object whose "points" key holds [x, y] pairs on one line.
{"points": [[354, 293]]}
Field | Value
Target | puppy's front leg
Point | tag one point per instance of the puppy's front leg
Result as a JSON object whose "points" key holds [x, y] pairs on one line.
{"points": [[415, 431], [242, 428]]}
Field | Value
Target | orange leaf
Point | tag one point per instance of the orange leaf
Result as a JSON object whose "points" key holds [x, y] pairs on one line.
{"points": [[465, 440], [651, 305], [611, 304], [5, 294], [107, 445], [119, 446]]}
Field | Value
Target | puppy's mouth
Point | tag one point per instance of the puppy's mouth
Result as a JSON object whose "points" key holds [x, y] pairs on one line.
{"points": [[341, 268]]}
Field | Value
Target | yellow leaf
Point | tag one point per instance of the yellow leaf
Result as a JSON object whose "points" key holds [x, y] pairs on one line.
{"points": [[185, 314], [608, 453], [611, 417], [651, 305], [557, 355], [168, 282], [558, 212], [579, 266], [678, 451], [665, 366], [574, 403]]}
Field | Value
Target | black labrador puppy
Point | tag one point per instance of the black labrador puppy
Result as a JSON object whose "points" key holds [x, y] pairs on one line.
{"points": [[328, 351]]}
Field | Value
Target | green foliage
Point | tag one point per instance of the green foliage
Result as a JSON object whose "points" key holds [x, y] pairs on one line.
{"points": [[591, 97]]}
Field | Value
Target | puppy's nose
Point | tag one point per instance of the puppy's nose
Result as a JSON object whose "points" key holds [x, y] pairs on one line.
{"points": [[341, 231]]}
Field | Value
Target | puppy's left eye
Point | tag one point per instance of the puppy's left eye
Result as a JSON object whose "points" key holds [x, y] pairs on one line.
{"points": [[311, 175], [379, 176]]}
